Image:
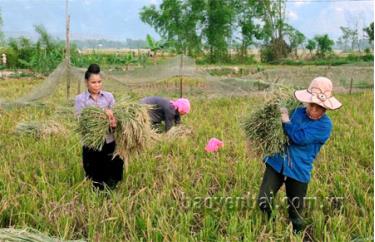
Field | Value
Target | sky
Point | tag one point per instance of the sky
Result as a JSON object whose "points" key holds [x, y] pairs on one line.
{"points": [[119, 19]]}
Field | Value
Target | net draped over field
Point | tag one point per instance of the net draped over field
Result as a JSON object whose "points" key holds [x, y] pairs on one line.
{"points": [[203, 80]]}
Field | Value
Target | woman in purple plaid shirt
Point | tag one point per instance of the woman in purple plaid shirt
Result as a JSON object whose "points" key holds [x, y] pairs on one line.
{"points": [[99, 165]]}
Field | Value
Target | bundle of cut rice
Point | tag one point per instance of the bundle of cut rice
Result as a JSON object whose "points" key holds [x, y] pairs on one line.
{"points": [[133, 132], [263, 126], [40, 129], [16, 235], [93, 126], [179, 131]]}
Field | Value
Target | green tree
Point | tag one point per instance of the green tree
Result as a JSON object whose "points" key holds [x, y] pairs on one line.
{"points": [[20, 52], [296, 38], [45, 40], [324, 45], [48, 52], [217, 29], [129, 59], [2, 38], [247, 14], [349, 36], [154, 46], [177, 22], [273, 30], [142, 60], [370, 33], [193, 20], [311, 45], [42, 56], [273, 18]]}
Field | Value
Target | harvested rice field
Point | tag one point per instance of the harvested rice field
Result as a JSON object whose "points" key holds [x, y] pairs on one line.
{"points": [[175, 191]]}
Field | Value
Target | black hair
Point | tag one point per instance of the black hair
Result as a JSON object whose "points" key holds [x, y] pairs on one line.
{"points": [[93, 69]]}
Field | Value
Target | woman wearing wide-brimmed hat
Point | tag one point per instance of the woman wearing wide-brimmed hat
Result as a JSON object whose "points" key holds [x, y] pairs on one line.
{"points": [[308, 129]]}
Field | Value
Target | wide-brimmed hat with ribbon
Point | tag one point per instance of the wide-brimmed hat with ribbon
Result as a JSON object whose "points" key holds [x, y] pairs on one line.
{"points": [[319, 92]]}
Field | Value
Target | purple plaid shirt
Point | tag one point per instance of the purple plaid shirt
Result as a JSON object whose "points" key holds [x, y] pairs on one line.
{"points": [[104, 101]]}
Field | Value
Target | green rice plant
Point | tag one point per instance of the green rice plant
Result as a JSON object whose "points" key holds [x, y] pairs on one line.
{"points": [[93, 126], [65, 113], [263, 126]]}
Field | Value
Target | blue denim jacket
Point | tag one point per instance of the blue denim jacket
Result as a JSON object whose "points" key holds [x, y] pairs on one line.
{"points": [[306, 137]]}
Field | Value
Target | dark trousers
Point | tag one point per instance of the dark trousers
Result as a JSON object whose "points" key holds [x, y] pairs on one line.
{"points": [[295, 191], [101, 167]]}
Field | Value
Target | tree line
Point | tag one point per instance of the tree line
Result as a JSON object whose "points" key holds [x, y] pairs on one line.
{"points": [[212, 27]]}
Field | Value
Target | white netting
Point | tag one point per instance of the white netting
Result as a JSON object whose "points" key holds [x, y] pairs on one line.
{"points": [[165, 78], [47, 88], [176, 66], [138, 77]]}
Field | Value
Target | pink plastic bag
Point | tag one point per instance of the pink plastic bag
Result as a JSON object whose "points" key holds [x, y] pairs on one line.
{"points": [[214, 145]]}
